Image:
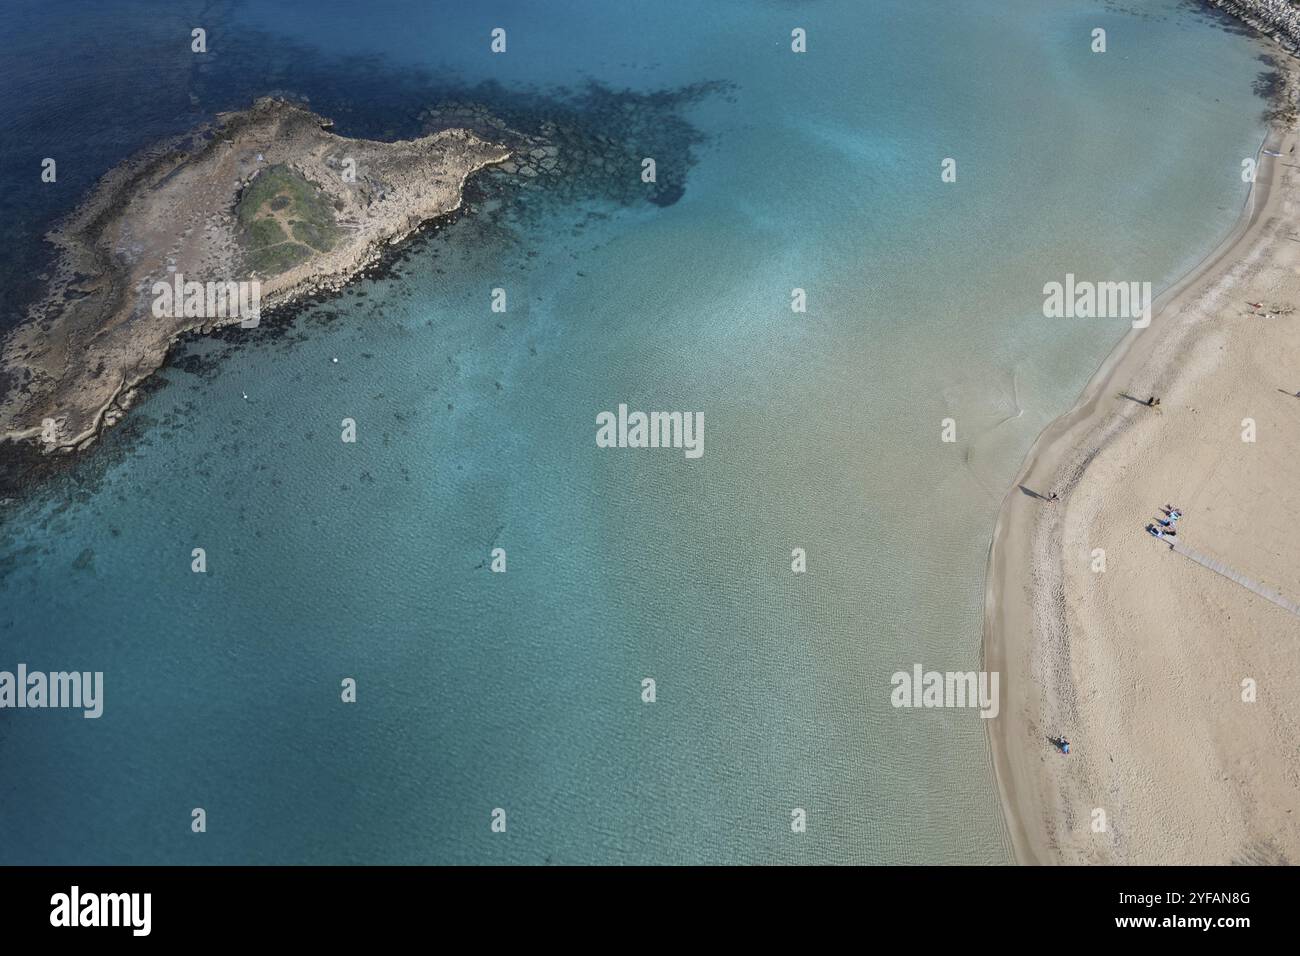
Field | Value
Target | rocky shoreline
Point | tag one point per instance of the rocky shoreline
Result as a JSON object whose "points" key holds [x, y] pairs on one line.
{"points": [[1277, 18], [76, 365], [582, 151]]}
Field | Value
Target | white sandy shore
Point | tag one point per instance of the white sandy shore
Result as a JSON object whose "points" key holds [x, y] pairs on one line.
{"points": [[1142, 665]]}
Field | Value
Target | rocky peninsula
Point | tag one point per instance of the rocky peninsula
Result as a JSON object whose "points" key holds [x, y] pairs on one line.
{"points": [[266, 198]]}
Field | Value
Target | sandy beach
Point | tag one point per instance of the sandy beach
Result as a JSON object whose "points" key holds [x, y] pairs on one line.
{"points": [[1173, 672]]}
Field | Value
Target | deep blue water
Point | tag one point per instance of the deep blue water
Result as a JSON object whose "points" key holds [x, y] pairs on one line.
{"points": [[522, 691]]}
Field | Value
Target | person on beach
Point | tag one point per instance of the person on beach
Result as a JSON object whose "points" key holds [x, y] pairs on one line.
{"points": [[1053, 496]]}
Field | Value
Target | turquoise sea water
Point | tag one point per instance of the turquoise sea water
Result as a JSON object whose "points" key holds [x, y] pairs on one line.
{"points": [[476, 430]]}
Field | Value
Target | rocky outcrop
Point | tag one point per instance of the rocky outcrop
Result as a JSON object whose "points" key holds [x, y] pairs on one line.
{"points": [[75, 366], [1277, 18]]}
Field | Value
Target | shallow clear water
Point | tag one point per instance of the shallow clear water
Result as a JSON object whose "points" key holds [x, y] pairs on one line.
{"points": [[476, 430]]}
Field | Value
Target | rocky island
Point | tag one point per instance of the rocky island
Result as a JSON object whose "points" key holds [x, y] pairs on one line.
{"points": [[264, 206]]}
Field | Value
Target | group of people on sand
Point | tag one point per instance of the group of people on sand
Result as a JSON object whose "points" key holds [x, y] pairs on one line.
{"points": [[1166, 527]]}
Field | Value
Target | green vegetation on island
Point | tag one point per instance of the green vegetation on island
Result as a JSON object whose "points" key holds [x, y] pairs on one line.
{"points": [[279, 204]]}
